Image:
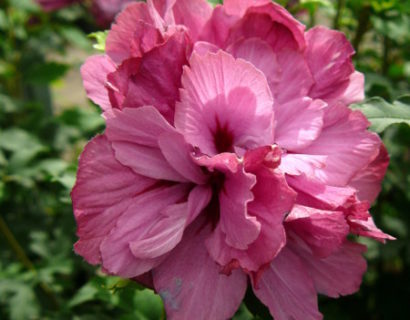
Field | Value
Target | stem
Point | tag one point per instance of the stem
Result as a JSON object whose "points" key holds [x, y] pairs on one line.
{"points": [[339, 11], [363, 26], [22, 257]]}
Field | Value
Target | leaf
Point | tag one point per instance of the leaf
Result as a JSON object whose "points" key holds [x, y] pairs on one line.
{"points": [[382, 114], [44, 73], [100, 38]]}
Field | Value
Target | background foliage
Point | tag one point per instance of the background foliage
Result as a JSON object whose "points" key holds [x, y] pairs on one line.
{"points": [[42, 278]]}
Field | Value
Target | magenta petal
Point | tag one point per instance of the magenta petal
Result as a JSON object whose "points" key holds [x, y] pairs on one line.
{"points": [[339, 274], [144, 214], [287, 289], [94, 73], [103, 191], [239, 7], [297, 164], [191, 285], [179, 155], [323, 231], [298, 123], [224, 103], [328, 54]]}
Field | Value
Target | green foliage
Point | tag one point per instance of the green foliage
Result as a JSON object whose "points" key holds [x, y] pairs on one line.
{"points": [[42, 278], [382, 114]]}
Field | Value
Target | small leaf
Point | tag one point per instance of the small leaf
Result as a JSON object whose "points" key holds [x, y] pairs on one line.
{"points": [[381, 113], [100, 38]]}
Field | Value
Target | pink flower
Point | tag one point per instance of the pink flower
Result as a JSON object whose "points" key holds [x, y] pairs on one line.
{"points": [[229, 152]]}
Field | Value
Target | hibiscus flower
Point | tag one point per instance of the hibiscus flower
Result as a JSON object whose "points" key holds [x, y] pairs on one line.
{"points": [[230, 156]]}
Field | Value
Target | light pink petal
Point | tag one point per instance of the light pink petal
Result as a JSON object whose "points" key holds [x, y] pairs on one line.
{"points": [[168, 231], [224, 103], [261, 55], [239, 7], [297, 164], [202, 48], [216, 30], [144, 81], [287, 289], [179, 155], [94, 73], [141, 125], [135, 144], [324, 231], [298, 123], [191, 285], [348, 145], [328, 54], [193, 14], [132, 34], [312, 193], [144, 214], [271, 23], [296, 78], [354, 91], [367, 182], [337, 275], [103, 191]]}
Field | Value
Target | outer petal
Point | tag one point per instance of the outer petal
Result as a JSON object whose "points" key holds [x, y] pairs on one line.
{"points": [[145, 215], [136, 146], [271, 23], [132, 34], [339, 274], [103, 191], [191, 285], [323, 231], [287, 289], [94, 73], [298, 123], [328, 54], [354, 91], [239, 7], [345, 141], [145, 81], [104, 11], [367, 182], [224, 103]]}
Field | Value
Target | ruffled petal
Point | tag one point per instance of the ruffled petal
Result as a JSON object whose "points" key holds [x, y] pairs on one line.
{"points": [[191, 285], [224, 103], [287, 289], [94, 73], [103, 191]]}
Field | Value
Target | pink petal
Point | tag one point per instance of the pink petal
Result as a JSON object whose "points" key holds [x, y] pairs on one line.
{"points": [[345, 141], [312, 193], [287, 289], [298, 123], [179, 155], [328, 54], [323, 231], [94, 73], [203, 47], [271, 23], [297, 164], [354, 91], [132, 34], [367, 182], [144, 81], [103, 191], [239, 7], [224, 103], [144, 214], [104, 11], [136, 145], [339, 274], [191, 285]]}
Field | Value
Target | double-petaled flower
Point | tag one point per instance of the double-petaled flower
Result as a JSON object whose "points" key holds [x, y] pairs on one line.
{"points": [[230, 153]]}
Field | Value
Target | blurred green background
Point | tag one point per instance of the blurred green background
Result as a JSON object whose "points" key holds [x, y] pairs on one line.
{"points": [[45, 120]]}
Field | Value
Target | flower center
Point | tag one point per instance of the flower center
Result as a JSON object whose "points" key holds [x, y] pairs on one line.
{"points": [[212, 211], [223, 137]]}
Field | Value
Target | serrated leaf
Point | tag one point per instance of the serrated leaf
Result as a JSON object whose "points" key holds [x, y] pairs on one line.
{"points": [[382, 114]]}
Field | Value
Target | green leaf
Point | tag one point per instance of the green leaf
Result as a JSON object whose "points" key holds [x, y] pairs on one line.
{"points": [[382, 114], [100, 38], [44, 73]]}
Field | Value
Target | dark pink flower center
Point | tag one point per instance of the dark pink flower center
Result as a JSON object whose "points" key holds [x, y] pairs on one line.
{"points": [[213, 211], [223, 137]]}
